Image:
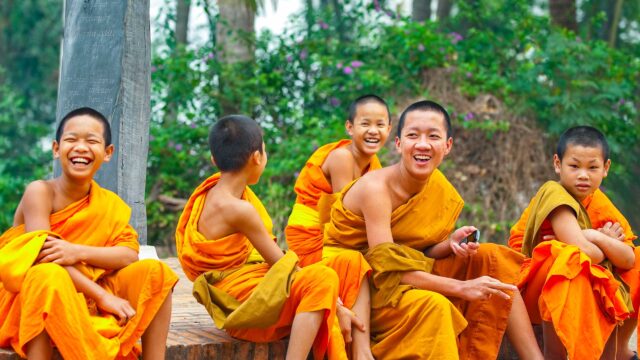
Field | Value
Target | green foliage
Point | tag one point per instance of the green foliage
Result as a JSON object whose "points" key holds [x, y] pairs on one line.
{"points": [[23, 161], [301, 83]]}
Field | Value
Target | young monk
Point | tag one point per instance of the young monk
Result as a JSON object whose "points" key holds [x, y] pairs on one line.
{"points": [[428, 286], [69, 266], [251, 289], [568, 228], [330, 168]]}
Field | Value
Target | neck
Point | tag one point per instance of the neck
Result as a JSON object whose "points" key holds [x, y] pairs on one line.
{"points": [[362, 160], [408, 183], [73, 189], [233, 182]]}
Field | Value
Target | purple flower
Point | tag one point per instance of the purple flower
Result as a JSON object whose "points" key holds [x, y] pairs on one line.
{"points": [[376, 5], [323, 25], [303, 54], [621, 102], [356, 64], [339, 65], [455, 37], [347, 70], [153, 69], [178, 147], [289, 58], [193, 125], [469, 75], [151, 137], [469, 116], [211, 56], [296, 174], [421, 48], [334, 101]]}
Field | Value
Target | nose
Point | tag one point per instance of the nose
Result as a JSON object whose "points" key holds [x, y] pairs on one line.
{"points": [[423, 143], [583, 175], [81, 146]]}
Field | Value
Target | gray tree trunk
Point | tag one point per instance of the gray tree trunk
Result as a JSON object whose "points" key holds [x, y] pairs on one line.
{"points": [[235, 32], [183, 8], [421, 10], [105, 64], [444, 9], [615, 22]]}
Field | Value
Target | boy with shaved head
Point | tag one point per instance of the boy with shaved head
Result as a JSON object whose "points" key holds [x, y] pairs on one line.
{"points": [[450, 298], [582, 272], [69, 268]]}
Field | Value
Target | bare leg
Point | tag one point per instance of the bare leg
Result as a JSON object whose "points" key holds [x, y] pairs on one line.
{"points": [[624, 335], [520, 332], [361, 345], [154, 339], [304, 329], [40, 347], [553, 348]]}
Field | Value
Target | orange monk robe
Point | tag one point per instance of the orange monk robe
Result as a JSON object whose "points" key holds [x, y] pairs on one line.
{"points": [[235, 270], [41, 297], [424, 323], [304, 229], [600, 210]]}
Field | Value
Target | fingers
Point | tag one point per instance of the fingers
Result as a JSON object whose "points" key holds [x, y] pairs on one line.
{"points": [[355, 321], [346, 333], [548, 237]]}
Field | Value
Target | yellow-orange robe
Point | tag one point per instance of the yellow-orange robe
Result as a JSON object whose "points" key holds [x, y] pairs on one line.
{"points": [[231, 265], [305, 227], [41, 297], [599, 210], [407, 322]]}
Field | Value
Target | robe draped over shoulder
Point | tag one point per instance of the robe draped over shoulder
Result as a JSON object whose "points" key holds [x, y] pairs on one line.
{"points": [[435, 321], [41, 297], [244, 295], [561, 285], [314, 198]]}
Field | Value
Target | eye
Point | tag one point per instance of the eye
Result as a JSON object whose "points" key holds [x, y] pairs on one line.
{"points": [[435, 136], [573, 166]]}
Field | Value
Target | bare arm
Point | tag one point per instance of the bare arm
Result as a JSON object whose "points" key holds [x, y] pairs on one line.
{"points": [[246, 220], [620, 254], [65, 253], [377, 214], [338, 167], [566, 229], [453, 245]]}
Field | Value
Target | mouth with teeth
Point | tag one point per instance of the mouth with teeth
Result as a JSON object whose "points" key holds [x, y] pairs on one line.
{"points": [[421, 158], [80, 161], [372, 141]]}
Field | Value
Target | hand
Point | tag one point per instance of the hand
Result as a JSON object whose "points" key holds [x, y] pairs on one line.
{"points": [[485, 287], [117, 306], [58, 251], [613, 230], [348, 319], [463, 250]]}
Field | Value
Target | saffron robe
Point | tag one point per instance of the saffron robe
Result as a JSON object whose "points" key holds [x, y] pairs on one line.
{"points": [[229, 272], [424, 323], [41, 297], [304, 230], [557, 272]]}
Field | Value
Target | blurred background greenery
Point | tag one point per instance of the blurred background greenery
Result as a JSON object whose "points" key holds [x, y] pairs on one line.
{"points": [[513, 73]]}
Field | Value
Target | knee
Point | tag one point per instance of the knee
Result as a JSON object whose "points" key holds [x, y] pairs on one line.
{"points": [[350, 259], [319, 276], [45, 272], [437, 308]]}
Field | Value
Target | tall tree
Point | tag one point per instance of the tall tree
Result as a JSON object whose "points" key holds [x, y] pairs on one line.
{"points": [[615, 22], [183, 8], [235, 32], [444, 9], [421, 10], [563, 14]]}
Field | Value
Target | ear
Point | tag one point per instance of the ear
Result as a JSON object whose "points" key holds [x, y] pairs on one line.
{"points": [[397, 144], [213, 161], [557, 164], [108, 152], [607, 165], [256, 157], [448, 145], [55, 147], [349, 126]]}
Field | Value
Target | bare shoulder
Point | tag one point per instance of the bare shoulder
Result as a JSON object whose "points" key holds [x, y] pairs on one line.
{"points": [[337, 160], [37, 200], [224, 215], [369, 191]]}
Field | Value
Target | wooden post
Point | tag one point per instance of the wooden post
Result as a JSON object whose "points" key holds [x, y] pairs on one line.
{"points": [[105, 64]]}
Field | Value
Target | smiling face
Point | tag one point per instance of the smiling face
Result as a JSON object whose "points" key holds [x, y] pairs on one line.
{"points": [[581, 169], [82, 149], [423, 143], [370, 128]]}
